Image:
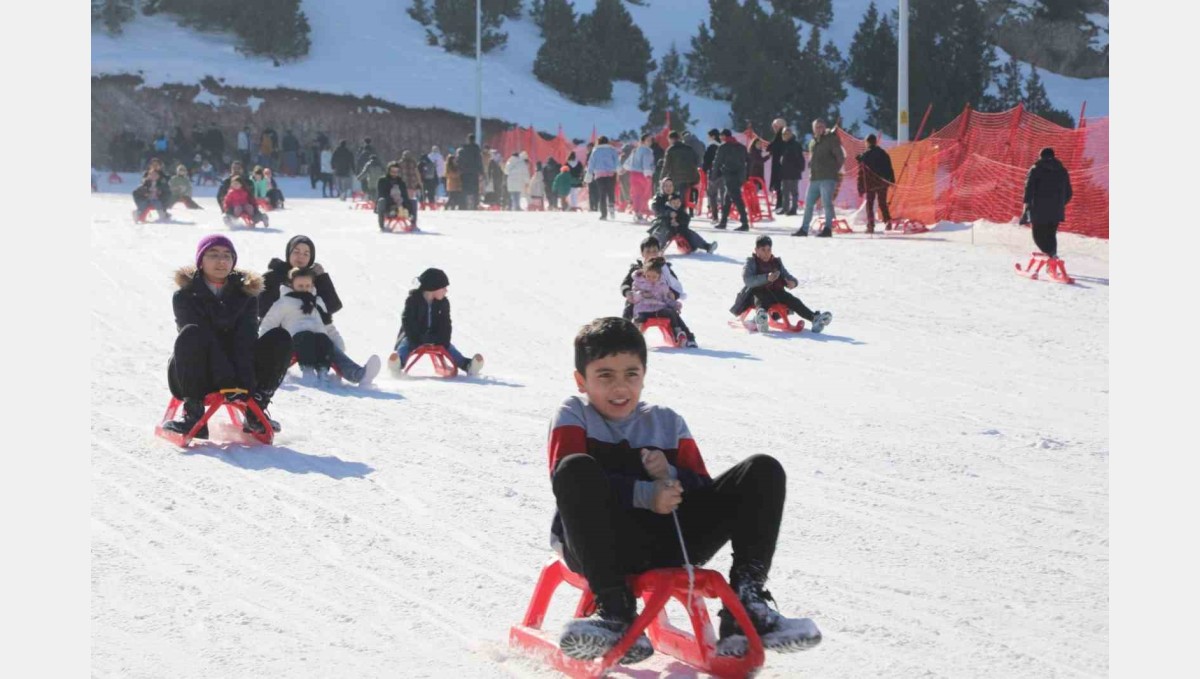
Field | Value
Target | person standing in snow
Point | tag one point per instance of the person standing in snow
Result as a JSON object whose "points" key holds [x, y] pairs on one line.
{"points": [[603, 166], [575, 168], [729, 163], [218, 347], [470, 165], [454, 192], [516, 172], [549, 171], [343, 169], [325, 162], [791, 168], [1047, 192], [826, 158], [715, 191], [640, 165], [875, 175], [291, 154], [370, 175], [243, 145], [681, 165], [775, 148], [428, 170]]}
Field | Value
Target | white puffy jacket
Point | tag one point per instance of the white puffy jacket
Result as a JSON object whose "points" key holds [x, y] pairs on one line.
{"points": [[286, 313], [518, 174]]}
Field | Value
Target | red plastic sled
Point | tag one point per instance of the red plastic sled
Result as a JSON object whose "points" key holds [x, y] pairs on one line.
{"points": [[839, 225], [663, 324], [114, 178], [443, 362], [906, 227], [396, 223], [777, 319], [681, 243], [263, 204], [363, 205], [1055, 269], [655, 588], [212, 403]]}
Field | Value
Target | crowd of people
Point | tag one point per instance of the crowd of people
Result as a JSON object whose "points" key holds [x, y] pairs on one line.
{"points": [[619, 467]]}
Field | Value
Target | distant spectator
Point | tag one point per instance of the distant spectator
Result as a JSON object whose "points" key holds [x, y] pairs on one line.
{"points": [[370, 174], [875, 176], [1047, 192], [343, 169], [291, 154]]}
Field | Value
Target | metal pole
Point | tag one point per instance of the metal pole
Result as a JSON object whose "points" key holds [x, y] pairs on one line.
{"points": [[902, 76], [478, 71]]}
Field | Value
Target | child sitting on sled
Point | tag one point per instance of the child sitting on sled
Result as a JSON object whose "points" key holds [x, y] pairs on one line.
{"points": [[237, 200], [764, 278], [671, 219], [650, 249], [619, 468], [426, 320], [303, 313], [652, 297]]}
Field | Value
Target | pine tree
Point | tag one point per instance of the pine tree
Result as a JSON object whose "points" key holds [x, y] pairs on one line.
{"points": [[554, 12], [863, 71], [506, 8], [1009, 85], [950, 62], [619, 41], [113, 14], [567, 61], [661, 96], [455, 21], [1037, 102], [816, 12], [419, 11], [726, 50], [283, 38]]}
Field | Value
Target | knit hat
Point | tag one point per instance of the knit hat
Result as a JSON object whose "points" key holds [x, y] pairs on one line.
{"points": [[297, 240], [433, 279], [762, 241], [212, 241]]}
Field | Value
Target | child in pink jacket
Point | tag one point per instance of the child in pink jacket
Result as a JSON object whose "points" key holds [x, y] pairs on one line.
{"points": [[237, 201], [651, 297]]}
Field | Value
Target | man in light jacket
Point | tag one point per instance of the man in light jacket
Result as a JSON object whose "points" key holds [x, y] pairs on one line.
{"points": [[603, 166], [640, 166]]}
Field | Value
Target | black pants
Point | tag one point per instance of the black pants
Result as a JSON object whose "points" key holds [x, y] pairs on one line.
{"points": [[677, 324], [883, 206], [313, 350], [430, 186], [605, 188], [765, 298], [605, 541], [1045, 236], [734, 196], [191, 374], [716, 187], [593, 195], [275, 198]]}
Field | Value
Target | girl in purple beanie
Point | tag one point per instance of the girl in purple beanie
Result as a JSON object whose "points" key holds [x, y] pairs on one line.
{"points": [[218, 347]]}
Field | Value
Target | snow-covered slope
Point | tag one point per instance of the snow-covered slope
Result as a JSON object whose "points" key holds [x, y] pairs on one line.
{"points": [[372, 47], [945, 443]]}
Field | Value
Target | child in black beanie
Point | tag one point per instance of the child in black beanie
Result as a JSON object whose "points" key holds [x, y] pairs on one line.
{"points": [[426, 320]]}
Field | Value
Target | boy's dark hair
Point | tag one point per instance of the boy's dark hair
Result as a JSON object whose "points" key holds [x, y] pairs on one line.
{"points": [[650, 241], [655, 264], [674, 136], [761, 241], [606, 337], [299, 272]]}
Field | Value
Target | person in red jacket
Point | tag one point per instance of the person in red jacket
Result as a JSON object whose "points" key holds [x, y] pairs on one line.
{"points": [[237, 201], [620, 468]]}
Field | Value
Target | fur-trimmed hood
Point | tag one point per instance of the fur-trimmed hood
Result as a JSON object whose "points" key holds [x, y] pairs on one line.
{"points": [[247, 282]]}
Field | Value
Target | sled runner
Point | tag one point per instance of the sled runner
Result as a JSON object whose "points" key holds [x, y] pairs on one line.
{"points": [[397, 223], [664, 324], [655, 588], [777, 319], [1055, 269], [839, 225], [237, 411], [905, 227], [443, 363]]}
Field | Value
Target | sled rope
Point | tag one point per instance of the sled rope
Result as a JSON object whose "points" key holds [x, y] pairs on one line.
{"points": [[687, 563]]}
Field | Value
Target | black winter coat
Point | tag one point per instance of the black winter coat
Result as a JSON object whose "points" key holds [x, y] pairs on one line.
{"points": [[730, 164], [276, 275], [418, 327], [232, 319], [1047, 191], [875, 170], [343, 162], [791, 160], [710, 152], [290, 142], [775, 148], [142, 192], [470, 160], [576, 173], [384, 192]]}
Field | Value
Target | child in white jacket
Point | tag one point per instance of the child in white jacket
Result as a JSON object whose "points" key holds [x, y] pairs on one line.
{"points": [[303, 314]]}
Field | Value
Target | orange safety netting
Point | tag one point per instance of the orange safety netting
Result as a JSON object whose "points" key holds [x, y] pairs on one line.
{"points": [[975, 167]]}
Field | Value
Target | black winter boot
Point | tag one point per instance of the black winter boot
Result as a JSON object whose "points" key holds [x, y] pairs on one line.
{"points": [[778, 633], [592, 637], [252, 424], [193, 410]]}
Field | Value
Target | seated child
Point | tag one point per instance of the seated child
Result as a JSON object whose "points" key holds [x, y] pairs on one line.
{"points": [[619, 468], [393, 197], [652, 297], [237, 200], [181, 189], [207, 174], [561, 187], [650, 250], [672, 219], [765, 278], [150, 195], [426, 320], [218, 348], [303, 314], [274, 195]]}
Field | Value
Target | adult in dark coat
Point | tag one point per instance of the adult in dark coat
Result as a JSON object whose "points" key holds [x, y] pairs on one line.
{"points": [[343, 169], [291, 154], [386, 202], [715, 191], [215, 141], [730, 163], [218, 347], [775, 148], [681, 164], [875, 176], [298, 254], [549, 172], [470, 164], [1047, 192], [791, 167], [427, 169]]}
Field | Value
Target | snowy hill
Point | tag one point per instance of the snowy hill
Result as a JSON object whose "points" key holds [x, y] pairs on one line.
{"points": [[945, 442], [354, 41]]}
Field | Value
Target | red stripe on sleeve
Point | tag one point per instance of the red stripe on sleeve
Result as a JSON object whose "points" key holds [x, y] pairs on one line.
{"points": [[564, 441], [689, 457]]}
